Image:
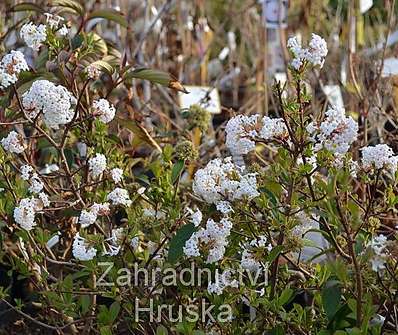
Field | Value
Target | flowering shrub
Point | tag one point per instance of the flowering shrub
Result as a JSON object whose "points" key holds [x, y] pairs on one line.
{"points": [[288, 221]]}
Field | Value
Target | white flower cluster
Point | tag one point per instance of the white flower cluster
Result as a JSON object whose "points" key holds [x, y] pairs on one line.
{"points": [[97, 165], [222, 180], [104, 110], [243, 131], [24, 213], [10, 67], [33, 35], [341, 161], [378, 245], [224, 207], [36, 185], [249, 260], [378, 157], [117, 175], [88, 217], [196, 217], [315, 53], [55, 101], [13, 143], [335, 133], [119, 196], [222, 282], [240, 131], [81, 250], [214, 237]]}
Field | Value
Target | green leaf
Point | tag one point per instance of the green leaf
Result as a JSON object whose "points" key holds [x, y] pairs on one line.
{"points": [[85, 303], [109, 14], [114, 311], [176, 171], [274, 253], [269, 195], [157, 77], [70, 5], [278, 330], [103, 66], [161, 330], [106, 330], [26, 6], [285, 296], [331, 296], [178, 242], [77, 41]]}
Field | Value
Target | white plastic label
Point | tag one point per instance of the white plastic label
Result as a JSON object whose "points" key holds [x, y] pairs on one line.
{"points": [[204, 96]]}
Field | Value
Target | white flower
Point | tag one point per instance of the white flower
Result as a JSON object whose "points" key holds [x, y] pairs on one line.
{"points": [[224, 207], [378, 157], [24, 213], [240, 131], [97, 165], [378, 245], [214, 236], [44, 199], [196, 217], [191, 248], [81, 250], [294, 46], [33, 35], [36, 185], [273, 128], [315, 53], [104, 110], [88, 217], [249, 261], [25, 171], [119, 196], [101, 209], [54, 101], [342, 162], [261, 242], [336, 133], [223, 180], [13, 143], [117, 175], [10, 67], [221, 282], [318, 50]]}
